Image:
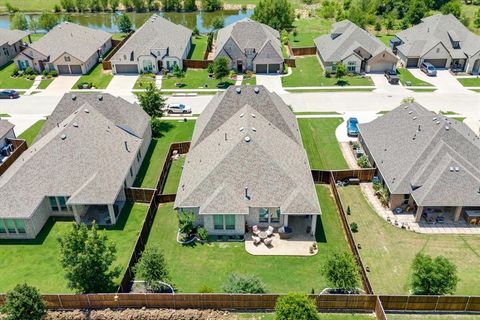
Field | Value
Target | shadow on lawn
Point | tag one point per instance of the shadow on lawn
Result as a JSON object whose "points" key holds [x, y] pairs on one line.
{"points": [[320, 232], [40, 239]]}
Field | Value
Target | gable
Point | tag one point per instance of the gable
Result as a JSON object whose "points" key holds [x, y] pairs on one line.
{"points": [[268, 54]]}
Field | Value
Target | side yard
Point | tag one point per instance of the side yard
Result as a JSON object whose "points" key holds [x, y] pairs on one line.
{"points": [[199, 46], [389, 251], [307, 30], [30, 134]]}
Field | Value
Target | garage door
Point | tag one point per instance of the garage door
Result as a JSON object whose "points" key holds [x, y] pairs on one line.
{"points": [[76, 69], [273, 68], [261, 68], [126, 68], [438, 63], [381, 66], [412, 62], [62, 69]]}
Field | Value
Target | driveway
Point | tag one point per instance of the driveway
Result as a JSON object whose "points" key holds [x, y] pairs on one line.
{"points": [[362, 116], [122, 84], [383, 86], [444, 81], [272, 82], [60, 86]]}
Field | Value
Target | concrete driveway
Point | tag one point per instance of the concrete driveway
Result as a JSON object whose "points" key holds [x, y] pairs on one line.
{"points": [[444, 81], [122, 84], [60, 86], [383, 86], [362, 116], [273, 82]]}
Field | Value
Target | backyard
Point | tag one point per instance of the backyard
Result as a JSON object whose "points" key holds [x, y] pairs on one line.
{"points": [[194, 266], [389, 251], [30, 134], [97, 76], [174, 175], [8, 82], [321, 144], [199, 46], [309, 73], [194, 79], [37, 261], [307, 30], [407, 78], [322, 316]]}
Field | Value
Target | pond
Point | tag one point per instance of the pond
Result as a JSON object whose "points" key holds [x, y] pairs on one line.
{"points": [[107, 21]]}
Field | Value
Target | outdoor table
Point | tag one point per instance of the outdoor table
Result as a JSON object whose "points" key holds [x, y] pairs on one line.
{"points": [[263, 235]]}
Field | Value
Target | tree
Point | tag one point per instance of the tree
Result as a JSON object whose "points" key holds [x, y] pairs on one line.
{"points": [[390, 24], [220, 68], [114, 4], [95, 5], [86, 256], [378, 26], [195, 31], [186, 221], [189, 5], [11, 8], [243, 284], [139, 5], [82, 5], [356, 14], [476, 20], [171, 5], [211, 5], [152, 268], [18, 21], [416, 11], [341, 272], [104, 4], [128, 4], [340, 70], [24, 302], [47, 21], [152, 101], [217, 23], [278, 14], [68, 5], [433, 276], [295, 306], [124, 23], [452, 7], [34, 25]]}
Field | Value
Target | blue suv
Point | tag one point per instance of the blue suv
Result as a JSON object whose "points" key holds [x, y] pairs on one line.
{"points": [[352, 127]]}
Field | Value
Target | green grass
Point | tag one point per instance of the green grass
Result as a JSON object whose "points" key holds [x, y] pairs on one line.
{"points": [[193, 79], [320, 142], [45, 83], [144, 81], [191, 267], [309, 73], [469, 82], [37, 263], [469, 10], [97, 76], [30, 5], [309, 29], [389, 251], [4, 115], [386, 39], [427, 316], [475, 90], [331, 90], [34, 37], [199, 46], [423, 90], [309, 113], [174, 174], [118, 36], [8, 82], [322, 316], [30, 134], [249, 81], [406, 75], [172, 131]]}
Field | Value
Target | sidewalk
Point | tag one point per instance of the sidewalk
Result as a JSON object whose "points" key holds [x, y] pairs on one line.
{"points": [[34, 86]]}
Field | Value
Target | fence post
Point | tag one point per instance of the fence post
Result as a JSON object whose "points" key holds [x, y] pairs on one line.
{"points": [[60, 301], [466, 304]]}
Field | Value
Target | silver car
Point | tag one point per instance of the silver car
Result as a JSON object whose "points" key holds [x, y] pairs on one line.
{"points": [[428, 69], [178, 108]]}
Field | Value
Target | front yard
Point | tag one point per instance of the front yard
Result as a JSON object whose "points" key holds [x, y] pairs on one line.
{"points": [[144, 80], [37, 263], [307, 30], [309, 73], [199, 46], [407, 77], [389, 251], [9, 82], [194, 79], [470, 82], [98, 77], [192, 267]]}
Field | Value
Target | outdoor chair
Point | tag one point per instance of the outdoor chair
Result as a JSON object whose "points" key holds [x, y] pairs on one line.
{"points": [[268, 242], [256, 240], [255, 230], [269, 231]]}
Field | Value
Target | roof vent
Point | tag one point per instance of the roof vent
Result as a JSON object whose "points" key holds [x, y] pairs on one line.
{"points": [[447, 128], [452, 169], [241, 128], [457, 169], [75, 125], [256, 89], [100, 97], [254, 129], [414, 136], [434, 118], [438, 122], [87, 111], [241, 115], [63, 136], [406, 107], [74, 97], [410, 112], [253, 115], [414, 118], [247, 196], [419, 127], [238, 90], [247, 139]]}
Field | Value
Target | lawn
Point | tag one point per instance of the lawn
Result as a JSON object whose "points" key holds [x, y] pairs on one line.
{"points": [[406, 75], [118, 36], [249, 81], [172, 131], [431, 317], [307, 30], [45, 83], [37, 261], [193, 79], [8, 82], [386, 39], [30, 5], [192, 267], [199, 46], [4, 115], [320, 142], [30, 134], [34, 37], [174, 174], [389, 251], [469, 82], [97, 76], [309, 73], [144, 81], [322, 316]]}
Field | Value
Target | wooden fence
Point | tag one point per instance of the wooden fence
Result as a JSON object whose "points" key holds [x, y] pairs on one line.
{"points": [[165, 198], [431, 303], [324, 176], [19, 146], [139, 194], [304, 51], [196, 64], [290, 62], [116, 45], [181, 148]]}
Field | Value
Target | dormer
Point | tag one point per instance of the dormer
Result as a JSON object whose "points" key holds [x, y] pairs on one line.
{"points": [[454, 39], [159, 52]]}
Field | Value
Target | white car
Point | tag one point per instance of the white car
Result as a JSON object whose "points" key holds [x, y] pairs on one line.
{"points": [[178, 108]]}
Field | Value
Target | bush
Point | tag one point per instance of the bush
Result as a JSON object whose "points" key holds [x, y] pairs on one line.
{"points": [[295, 306], [85, 85], [15, 72], [157, 127], [355, 145], [195, 31], [177, 72], [232, 74], [32, 77], [377, 185], [202, 234], [341, 272], [244, 7], [354, 227], [45, 73], [205, 289], [433, 276], [24, 302], [243, 284], [348, 210], [186, 222], [54, 73], [29, 71], [210, 68], [362, 161]]}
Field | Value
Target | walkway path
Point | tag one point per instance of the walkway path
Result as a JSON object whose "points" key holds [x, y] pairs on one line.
{"points": [[239, 80], [34, 86], [158, 81]]}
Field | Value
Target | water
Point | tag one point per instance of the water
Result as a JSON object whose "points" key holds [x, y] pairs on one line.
{"points": [[106, 21]]}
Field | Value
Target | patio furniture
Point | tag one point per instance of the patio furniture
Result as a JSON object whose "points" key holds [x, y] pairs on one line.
{"points": [[263, 235], [255, 230], [269, 231], [285, 232], [256, 240], [268, 242]]}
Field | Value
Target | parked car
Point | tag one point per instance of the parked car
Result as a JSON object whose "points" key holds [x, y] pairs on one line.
{"points": [[428, 69], [9, 94], [391, 76], [178, 108], [352, 127]]}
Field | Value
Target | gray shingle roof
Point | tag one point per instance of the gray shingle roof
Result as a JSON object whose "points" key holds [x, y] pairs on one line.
{"points": [[421, 38], [415, 149], [345, 37], [156, 33], [272, 164], [11, 36], [89, 165], [249, 34], [5, 127], [78, 41]]}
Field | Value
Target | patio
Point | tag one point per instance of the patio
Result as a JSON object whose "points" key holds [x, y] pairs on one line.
{"points": [[99, 214], [298, 244]]}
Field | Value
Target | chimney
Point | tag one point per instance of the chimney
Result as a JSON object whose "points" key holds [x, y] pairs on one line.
{"points": [[100, 97], [126, 146], [419, 127]]}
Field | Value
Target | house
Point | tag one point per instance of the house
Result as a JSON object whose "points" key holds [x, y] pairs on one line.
{"points": [[68, 49], [441, 40], [158, 44], [428, 162], [89, 150], [247, 166], [11, 42], [250, 45], [6, 132], [357, 49]]}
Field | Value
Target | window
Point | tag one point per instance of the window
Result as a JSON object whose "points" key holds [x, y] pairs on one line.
{"points": [[230, 222], [63, 203], [263, 215], [10, 226], [53, 203], [352, 66], [67, 58], [275, 216], [406, 197], [218, 222], [2, 227], [22, 64], [5, 51], [20, 225], [147, 66], [138, 156]]}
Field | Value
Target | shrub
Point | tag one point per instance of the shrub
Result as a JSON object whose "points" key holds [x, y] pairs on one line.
{"points": [[195, 31], [24, 302], [354, 227], [433, 276], [383, 195], [202, 234], [295, 306], [362, 161], [152, 268], [85, 85], [177, 72], [377, 185], [355, 145], [45, 73], [244, 7], [340, 70], [28, 71], [243, 284], [205, 289], [232, 74], [157, 127], [15, 72], [54, 73], [341, 272], [210, 68], [186, 222], [348, 210], [32, 77]]}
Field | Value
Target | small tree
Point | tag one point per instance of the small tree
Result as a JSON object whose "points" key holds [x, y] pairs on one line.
{"points": [[152, 268], [340, 70], [390, 25], [433, 276], [295, 306], [341, 272], [452, 7], [354, 227], [195, 31], [34, 25], [220, 68], [124, 23], [152, 101], [476, 19], [24, 302], [189, 5], [378, 26], [217, 23], [47, 21], [363, 161], [209, 41], [87, 256], [211, 5], [243, 284], [18, 21], [295, 34], [186, 221], [278, 14]]}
